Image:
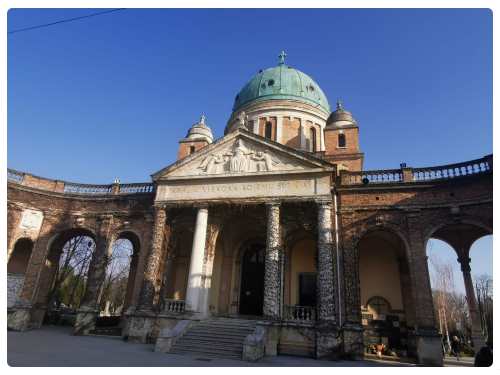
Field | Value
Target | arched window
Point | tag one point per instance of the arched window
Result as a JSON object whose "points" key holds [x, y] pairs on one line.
{"points": [[192, 149], [342, 142], [268, 130], [313, 139], [379, 307]]}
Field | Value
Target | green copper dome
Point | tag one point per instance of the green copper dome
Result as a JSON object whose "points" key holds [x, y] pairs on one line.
{"points": [[282, 82]]}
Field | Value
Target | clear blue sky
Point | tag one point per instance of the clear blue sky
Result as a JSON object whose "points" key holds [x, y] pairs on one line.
{"points": [[110, 96]]}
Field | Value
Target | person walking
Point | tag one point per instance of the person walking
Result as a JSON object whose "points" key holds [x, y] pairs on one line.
{"points": [[455, 347]]}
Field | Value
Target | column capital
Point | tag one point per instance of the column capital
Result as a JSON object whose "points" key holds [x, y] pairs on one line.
{"points": [[324, 202], [273, 203]]}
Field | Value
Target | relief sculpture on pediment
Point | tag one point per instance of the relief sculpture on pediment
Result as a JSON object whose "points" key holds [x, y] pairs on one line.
{"points": [[239, 159]]}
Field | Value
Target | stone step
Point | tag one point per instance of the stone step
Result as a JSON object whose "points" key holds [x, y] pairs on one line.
{"points": [[208, 353], [228, 340], [224, 348], [213, 336]]}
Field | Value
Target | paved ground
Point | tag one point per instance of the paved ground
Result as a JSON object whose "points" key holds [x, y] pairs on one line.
{"points": [[55, 346]]}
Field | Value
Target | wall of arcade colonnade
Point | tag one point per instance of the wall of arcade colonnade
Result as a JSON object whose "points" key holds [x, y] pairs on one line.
{"points": [[189, 259]]}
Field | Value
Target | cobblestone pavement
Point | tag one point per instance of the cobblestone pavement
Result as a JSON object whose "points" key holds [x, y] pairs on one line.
{"points": [[55, 346]]}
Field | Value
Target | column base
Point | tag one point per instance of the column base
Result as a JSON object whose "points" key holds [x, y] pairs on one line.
{"points": [[19, 316], [352, 337], [328, 341], [139, 326], [429, 348], [85, 320]]}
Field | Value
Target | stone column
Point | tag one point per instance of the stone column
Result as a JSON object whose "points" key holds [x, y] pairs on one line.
{"points": [[302, 134], [326, 303], [272, 278], [256, 125], [195, 279], [322, 138], [352, 330], [327, 338], [146, 296], [140, 319], [477, 334], [89, 308], [279, 128], [427, 338]]}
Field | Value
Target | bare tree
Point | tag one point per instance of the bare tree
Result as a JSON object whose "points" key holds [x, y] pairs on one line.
{"points": [[73, 266], [484, 295], [112, 295]]}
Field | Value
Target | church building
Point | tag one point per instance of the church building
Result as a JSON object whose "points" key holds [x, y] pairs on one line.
{"points": [[269, 240]]}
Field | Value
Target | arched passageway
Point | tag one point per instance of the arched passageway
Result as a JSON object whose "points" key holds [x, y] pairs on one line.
{"points": [[462, 299], [117, 289], [64, 276], [16, 268], [300, 278], [387, 306]]}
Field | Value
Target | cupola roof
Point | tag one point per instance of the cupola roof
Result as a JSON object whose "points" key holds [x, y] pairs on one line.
{"points": [[281, 82]]}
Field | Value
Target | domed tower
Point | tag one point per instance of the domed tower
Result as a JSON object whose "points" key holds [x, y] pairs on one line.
{"points": [[342, 140], [285, 105], [200, 135]]}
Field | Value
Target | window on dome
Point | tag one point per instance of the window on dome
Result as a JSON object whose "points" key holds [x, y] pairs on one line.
{"points": [[342, 141], [270, 82], [192, 149], [313, 139], [268, 130]]}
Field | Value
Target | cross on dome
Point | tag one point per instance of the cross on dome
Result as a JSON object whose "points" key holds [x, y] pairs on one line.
{"points": [[282, 57]]}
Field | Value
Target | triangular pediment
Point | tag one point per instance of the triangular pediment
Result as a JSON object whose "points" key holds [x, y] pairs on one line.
{"points": [[242, 153]]}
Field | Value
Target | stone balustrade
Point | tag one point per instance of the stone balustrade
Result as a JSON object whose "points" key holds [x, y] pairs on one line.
{"points": [[58, 186], [174, 306], [468, 168], [299, 313], [372, 177], [412, 175]]}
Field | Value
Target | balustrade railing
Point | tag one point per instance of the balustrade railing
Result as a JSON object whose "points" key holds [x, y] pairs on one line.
{"points": [[15, 176], [452, 170], [387, 176], [299, 313], [75, 188], [174, 306], [136, 188], [86, 189], [408, 175]]}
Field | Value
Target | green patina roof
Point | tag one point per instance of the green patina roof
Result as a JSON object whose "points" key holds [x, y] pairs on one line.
{"points": [[282, 82]]}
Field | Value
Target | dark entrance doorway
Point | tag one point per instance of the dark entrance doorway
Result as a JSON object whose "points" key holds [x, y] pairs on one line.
{"points": [[252, 279]]}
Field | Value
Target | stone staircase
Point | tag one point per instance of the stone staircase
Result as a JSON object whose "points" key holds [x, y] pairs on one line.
{"points": [[215, 338]]}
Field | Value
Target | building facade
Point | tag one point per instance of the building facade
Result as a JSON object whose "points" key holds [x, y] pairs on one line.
{"points": [[269, 240]]}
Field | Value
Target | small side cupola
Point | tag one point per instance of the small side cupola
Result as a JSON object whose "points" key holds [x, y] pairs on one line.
{"points": [[340, 117], [342, 140], [198, 136]]}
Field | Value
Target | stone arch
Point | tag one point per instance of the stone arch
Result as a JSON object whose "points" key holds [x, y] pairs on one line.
{"points": [[292, 246], [475, 222], [180, 246], [133, 239], [387, 227], [384, 272], [16, 268], [47, 281]]}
